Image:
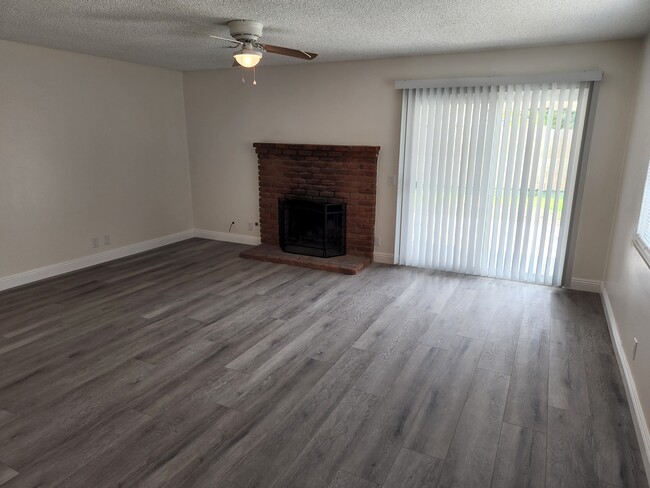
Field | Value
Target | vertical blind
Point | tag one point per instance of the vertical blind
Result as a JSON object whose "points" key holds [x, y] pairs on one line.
{"points": [[487, 177]]}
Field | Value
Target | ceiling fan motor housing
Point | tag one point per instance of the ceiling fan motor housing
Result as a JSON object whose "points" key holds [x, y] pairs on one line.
{"points": [[245, 30]]}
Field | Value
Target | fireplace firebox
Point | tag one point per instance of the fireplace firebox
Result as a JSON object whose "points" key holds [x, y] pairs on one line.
{"points": [[312, 228]]}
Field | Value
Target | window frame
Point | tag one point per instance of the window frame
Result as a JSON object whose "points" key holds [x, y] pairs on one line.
{"points": [[640, 246], [639, 243]]}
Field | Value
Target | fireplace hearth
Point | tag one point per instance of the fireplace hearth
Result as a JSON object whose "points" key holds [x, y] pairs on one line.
{"points": [[312, 228]]}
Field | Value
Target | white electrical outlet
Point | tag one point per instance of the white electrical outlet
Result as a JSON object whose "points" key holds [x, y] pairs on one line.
{"points": [[94, 242], [377, 241], [107, 240], [391, 180], [636, 344]]}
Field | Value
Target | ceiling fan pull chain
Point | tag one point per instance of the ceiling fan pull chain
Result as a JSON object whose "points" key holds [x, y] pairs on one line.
{"points": [[242, 75], [254, 80]]}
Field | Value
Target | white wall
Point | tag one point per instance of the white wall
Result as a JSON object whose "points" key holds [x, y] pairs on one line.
{"points": [[355, 103], [88, 146], [627, 281]]}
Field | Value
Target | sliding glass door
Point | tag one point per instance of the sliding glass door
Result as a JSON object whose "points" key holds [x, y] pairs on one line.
{"points": [[487, 178]]}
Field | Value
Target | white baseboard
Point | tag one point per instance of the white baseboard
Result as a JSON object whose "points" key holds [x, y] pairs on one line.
{"points": [[227, 237], [383, 257], [87, 261], [638, 418], [581, 284]]}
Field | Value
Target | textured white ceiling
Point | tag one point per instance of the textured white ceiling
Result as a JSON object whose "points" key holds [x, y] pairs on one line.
{"points": [[174, 33]]}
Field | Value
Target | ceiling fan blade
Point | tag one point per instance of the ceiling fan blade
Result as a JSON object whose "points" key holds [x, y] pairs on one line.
{"points": [[226, 39], [285, 51]]}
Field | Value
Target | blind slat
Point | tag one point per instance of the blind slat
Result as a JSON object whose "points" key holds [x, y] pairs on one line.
{"points": [[548, 193], [529, 196], [517, 164]]}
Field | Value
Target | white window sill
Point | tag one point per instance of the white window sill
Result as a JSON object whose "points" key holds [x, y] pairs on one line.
{"points": [[642, 248]]}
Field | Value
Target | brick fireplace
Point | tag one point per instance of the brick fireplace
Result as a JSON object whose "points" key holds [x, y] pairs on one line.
{"points": [[319, 173]]}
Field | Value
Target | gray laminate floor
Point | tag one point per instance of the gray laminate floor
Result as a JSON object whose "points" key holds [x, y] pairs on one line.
{"points": [[188, 366]]}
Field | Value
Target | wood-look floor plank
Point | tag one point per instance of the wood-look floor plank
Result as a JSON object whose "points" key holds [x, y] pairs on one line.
{"points": [[594, 333], [214, 465], [570, 455], [381, 437], [77, 337], [29, 436], [5, 417], [560, 303], [178, 378], [237, 340], [6, 473], [150, 445], [57, 381], [615, 460], [25, 318], [390, 280], [304, 293], [478, 319], [412, 469], [177, 467], [311, 277], [473, 450], [347, 480], [343, 332], [264, 464], [430, 291], [435, 424], [442, 331], [29, 320], [391, 352], [301, 346], [161, 306], [282, 275], [521, 458], [212, 308], [396, 324], [281, 338], [257, 389], [331, 445], [70, 456], [567, 383], [188, 331], [385, 367], [527, 403], [501, 343], [497, 290], [242, 308]]}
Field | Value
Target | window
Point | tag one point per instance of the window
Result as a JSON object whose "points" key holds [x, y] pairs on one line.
{"points": [[488, 176], [642, 240]]}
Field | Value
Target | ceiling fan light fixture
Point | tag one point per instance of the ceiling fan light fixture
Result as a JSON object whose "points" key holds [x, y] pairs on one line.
{"points": [[248, 58]]}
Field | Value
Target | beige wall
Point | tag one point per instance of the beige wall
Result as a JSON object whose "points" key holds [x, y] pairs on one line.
{"points": [[88, 146], [355, 103], [627, 280]]}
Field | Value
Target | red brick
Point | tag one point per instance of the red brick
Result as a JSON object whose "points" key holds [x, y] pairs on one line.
{"points": [[324, 173]]}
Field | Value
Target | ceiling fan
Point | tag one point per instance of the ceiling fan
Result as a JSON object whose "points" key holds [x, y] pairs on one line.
{"points": [[245, 34]]}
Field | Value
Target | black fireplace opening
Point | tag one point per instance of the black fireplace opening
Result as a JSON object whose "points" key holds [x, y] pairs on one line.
{"points": [[312, 228]]}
